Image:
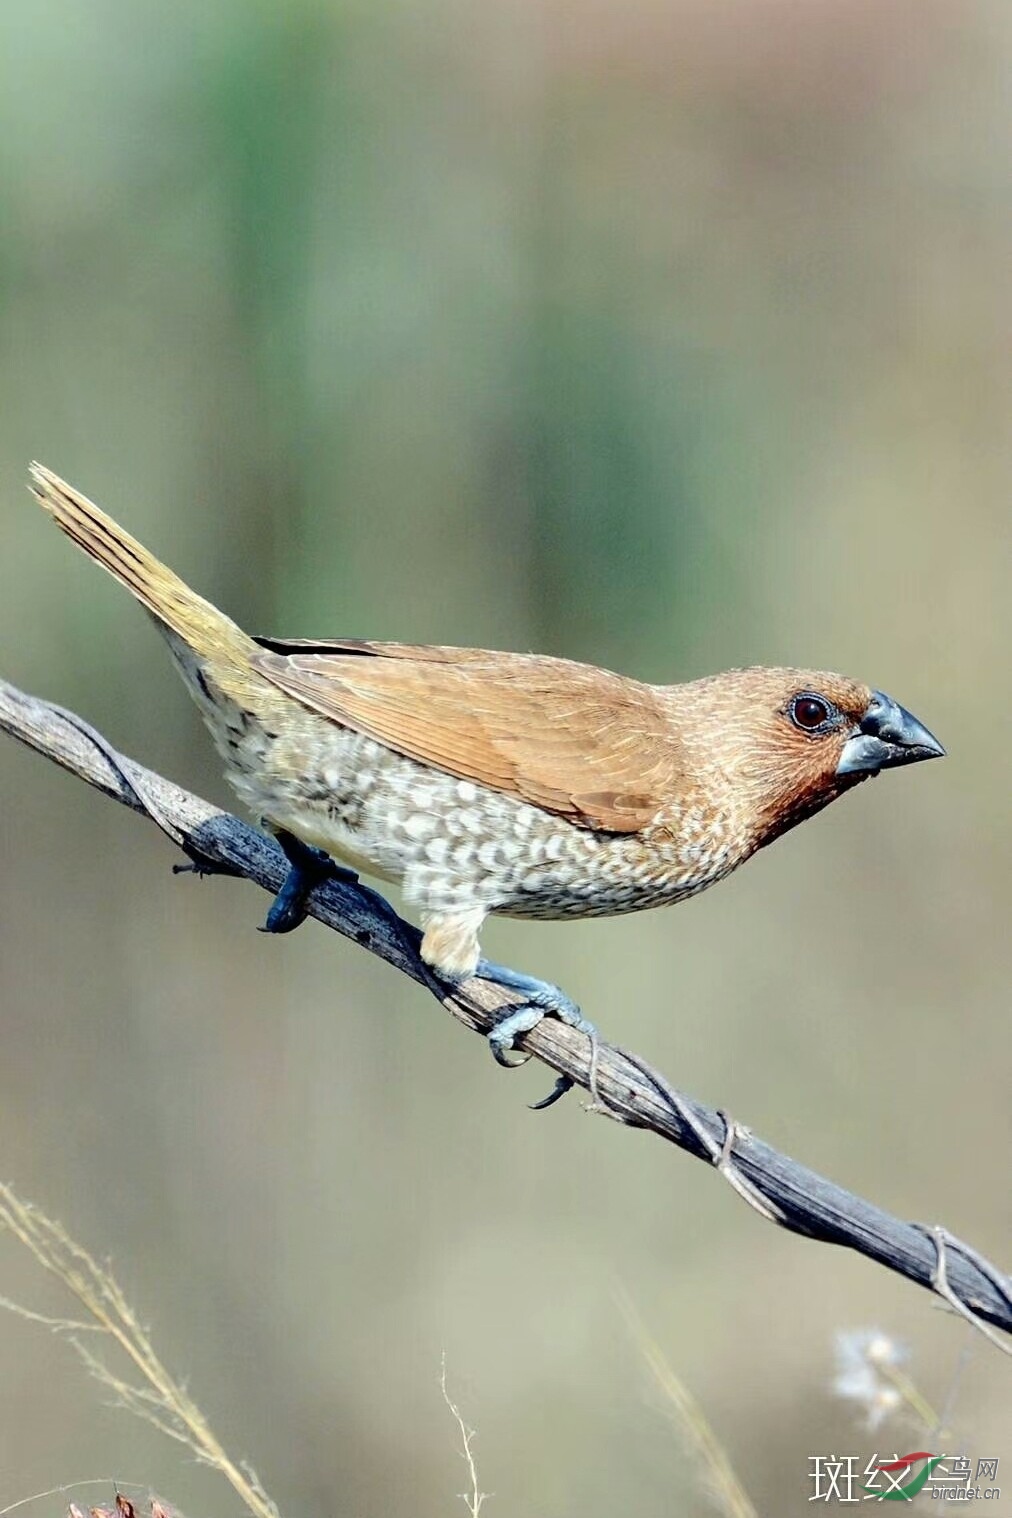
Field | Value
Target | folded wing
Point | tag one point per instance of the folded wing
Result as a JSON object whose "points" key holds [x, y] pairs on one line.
{"points": [[587, 745]]}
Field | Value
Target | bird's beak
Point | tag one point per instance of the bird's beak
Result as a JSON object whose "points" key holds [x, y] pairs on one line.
{"points": [[887, 735]]}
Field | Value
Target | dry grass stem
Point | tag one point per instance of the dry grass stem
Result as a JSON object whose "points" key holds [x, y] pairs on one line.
{"points": [[158, 1398], [915, 1399], [724, 1486], [474, 1498]]}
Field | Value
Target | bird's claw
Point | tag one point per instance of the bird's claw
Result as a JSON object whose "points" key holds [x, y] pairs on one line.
{"points": [[540, 1000], [501, 1051], [563, 1084], [309, 868], [290, 907]]}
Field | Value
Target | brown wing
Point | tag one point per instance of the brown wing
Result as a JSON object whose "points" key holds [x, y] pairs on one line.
{"points": [[586, 744]]}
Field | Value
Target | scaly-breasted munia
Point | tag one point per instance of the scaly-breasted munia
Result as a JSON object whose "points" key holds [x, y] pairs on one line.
{"points": [[502, 783]]}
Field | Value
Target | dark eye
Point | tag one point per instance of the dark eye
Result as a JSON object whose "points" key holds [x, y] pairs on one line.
{"points": [[810, 712]]}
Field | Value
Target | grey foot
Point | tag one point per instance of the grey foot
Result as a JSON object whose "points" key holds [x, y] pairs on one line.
{"points": [[309, 868], [540, 1000]]}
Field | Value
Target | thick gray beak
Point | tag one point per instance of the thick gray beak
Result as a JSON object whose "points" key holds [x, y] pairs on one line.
{"points": [[888, 735]]}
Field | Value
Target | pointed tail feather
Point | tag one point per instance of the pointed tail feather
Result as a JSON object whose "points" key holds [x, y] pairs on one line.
{"points": [[169, 599]]}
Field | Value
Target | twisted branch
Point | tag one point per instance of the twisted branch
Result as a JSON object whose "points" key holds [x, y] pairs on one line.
{"points": [[622, 1085]]}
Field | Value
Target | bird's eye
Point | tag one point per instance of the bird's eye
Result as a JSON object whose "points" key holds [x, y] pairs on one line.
{"points": [[809, 712]]}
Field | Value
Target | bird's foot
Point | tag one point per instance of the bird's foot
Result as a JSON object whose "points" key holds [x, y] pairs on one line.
{"points": [[308, 868], [541, 999]]}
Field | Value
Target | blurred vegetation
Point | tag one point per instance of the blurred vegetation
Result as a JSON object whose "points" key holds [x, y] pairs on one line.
{"points": [[672, 337]]}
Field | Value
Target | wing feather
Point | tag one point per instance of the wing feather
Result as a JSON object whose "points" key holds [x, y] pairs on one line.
{"points": [[585, 744]]}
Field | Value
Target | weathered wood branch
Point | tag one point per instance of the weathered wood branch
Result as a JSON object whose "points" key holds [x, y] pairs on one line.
{"points": [[622, 1085]]}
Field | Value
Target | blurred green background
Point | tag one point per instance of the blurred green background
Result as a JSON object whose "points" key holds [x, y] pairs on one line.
{"points": [[671, 336]]}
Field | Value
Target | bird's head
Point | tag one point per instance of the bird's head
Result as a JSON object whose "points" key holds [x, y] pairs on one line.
{"points": [[780, 744]]}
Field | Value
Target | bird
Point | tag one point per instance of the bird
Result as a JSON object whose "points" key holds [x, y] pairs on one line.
{"points": [[501, 784]]}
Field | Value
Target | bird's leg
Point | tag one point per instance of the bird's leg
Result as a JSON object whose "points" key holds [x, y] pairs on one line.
{"points": [[540, 1000], [450, 950], [308, 868]]}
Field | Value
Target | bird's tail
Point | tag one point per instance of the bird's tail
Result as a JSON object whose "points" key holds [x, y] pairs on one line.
{"points": [[202, 627]]}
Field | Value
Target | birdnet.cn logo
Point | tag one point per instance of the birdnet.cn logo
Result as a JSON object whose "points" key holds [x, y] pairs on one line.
{"points": [[951, 1478]]}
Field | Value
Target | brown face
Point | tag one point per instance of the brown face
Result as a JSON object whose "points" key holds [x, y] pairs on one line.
{"points": [[807, 721], [786, 742]]}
